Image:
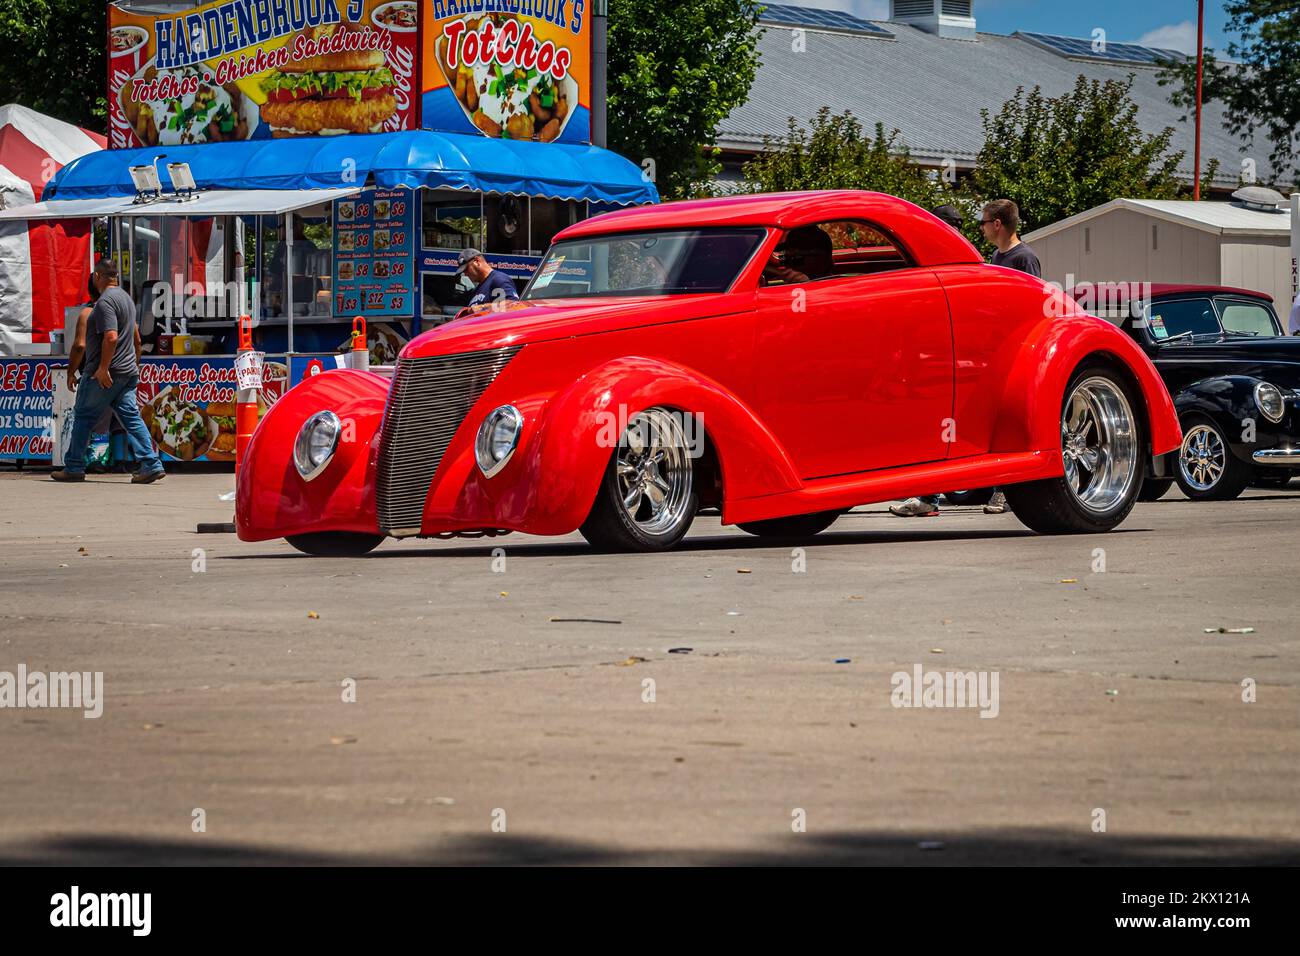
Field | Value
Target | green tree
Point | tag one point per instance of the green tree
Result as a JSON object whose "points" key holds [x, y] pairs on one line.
{"points": [[676, 70], [1057, 156], [1262, 92], [54, 58], [836, 153]]}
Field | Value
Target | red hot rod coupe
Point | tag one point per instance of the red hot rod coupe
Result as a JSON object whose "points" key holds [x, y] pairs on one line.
{"points": [[781, 358]]}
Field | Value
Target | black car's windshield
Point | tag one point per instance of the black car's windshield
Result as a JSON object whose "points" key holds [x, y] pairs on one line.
{"points": [[1248, 318], [663, 262]]}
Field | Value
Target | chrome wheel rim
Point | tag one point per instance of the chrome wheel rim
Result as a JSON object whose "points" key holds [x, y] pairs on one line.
{"points": [[1099, 444], [654, 471], [1202, 458]]}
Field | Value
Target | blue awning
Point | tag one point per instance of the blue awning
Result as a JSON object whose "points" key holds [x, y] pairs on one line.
{"points": [[414, 158]]}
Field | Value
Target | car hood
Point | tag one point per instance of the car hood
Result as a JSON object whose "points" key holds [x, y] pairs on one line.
{"points": [[1276, 358], [541, 320]]}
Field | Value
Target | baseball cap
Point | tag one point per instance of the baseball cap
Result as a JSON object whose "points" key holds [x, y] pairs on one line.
{"points": [[466, 256]]}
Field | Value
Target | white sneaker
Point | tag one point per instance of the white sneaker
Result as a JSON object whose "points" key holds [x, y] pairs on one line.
{"points": [[915, 508], [997, 504]]}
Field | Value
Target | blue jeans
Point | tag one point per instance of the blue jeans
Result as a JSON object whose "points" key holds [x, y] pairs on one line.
{"points": [[92, 400]]}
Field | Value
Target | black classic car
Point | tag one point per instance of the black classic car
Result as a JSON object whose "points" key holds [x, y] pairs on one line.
{"points": [[1234, 376]]}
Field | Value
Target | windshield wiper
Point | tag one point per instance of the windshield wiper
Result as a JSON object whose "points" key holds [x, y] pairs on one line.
{"points": [[1240, 332], [1175, 338]]}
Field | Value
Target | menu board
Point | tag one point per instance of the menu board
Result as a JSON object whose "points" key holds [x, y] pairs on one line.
{"points": [[509, 69], [256, 69], [374, 254]]}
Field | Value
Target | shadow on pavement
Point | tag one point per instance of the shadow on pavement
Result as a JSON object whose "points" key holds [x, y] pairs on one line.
{"points": [[1029, 847]]}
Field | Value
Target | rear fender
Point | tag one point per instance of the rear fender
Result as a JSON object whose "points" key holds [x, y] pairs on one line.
{"points": [[1029, 417]]}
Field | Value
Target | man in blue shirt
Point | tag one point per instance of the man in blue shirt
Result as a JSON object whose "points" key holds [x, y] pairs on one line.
{"points": [[490, 285]]}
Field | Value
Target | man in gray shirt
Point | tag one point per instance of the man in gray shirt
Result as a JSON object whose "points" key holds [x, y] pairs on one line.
{"points": [[112, 374]]}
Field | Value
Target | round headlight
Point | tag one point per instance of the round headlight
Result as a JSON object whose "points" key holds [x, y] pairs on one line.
{"points": [[317, 439], [1270, 402], [497, 438]]}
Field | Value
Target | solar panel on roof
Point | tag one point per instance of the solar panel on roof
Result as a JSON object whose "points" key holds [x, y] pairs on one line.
{"points": [[820, 19], [1112, 52]]}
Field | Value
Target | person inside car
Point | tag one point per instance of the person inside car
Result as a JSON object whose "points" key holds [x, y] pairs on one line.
{"points": [[804, 255]]}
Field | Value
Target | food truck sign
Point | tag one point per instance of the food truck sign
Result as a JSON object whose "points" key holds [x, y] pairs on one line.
{"points": [[510, 69], [256, 69]]}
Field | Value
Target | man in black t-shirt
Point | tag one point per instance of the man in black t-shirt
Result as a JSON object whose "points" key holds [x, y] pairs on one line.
{"points": [[112, 372], [1000, 220]]}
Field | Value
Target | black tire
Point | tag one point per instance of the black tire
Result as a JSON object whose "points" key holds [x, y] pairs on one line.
{"points": [[335, 544], [609, 526], [796, 526], [1051, 506], [1153, 489], [1235, 476], [978, 496]]}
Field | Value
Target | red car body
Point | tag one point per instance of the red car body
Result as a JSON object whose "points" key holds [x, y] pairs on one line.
{"points": [[947, 373]]}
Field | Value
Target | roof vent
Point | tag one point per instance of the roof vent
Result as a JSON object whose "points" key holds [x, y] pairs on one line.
{"points": [[1259, 197], [952, 19]]}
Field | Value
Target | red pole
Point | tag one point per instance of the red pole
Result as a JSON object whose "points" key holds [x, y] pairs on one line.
{"points": [[1200, 66]]}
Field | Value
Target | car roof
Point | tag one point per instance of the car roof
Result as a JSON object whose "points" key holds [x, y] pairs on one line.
{"points": [[930, 240], [1177, 288]]}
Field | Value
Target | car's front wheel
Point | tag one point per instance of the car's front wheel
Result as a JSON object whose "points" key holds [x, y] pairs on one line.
{"points": [[1153, 489], [646, 500], [335, 544], [797, 526], [1207, 469], [977, 496], [1101, 447]]}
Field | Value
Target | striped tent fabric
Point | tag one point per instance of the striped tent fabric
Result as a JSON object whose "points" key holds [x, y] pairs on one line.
{"points": [[44, 265]]}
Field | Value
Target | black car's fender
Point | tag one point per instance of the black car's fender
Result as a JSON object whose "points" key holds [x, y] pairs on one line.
{"points": [[1229, 401]]}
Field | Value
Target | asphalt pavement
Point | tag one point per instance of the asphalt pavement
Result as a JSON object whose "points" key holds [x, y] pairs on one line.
{"points": [[522, 700]]}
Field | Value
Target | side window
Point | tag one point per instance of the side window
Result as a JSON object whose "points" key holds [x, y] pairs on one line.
{"points": [[1182, 316], [1250, 318], [832, 250]]}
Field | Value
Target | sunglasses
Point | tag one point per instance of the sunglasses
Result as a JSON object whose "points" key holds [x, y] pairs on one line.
{"points": [[985, 222]]}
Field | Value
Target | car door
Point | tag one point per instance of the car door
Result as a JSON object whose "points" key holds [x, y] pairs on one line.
{"points": [[854, 356]]}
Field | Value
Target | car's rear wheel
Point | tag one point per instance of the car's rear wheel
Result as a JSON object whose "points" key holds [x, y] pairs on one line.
{"points": [[646, 500], [977, 496], [1153, 489], [1101, 447], [796, 526], [335, 544], [1207, 469]]}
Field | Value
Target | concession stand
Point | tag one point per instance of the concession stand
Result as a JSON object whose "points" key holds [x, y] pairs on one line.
{"points": [[307, 162]]}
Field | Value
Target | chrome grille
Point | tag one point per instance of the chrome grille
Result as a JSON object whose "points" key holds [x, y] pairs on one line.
{"points": [[429, 399]]}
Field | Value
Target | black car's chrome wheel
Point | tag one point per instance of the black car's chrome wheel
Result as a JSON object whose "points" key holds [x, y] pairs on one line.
{"points": [[646, 500], [1101, 453], [1207, 469]]}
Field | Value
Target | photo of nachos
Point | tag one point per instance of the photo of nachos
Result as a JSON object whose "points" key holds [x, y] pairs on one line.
{"points": [[509, 104], [212, 114], [181, 429], [330, 94]]}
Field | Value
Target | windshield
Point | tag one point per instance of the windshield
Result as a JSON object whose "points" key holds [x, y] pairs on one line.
{"points": [[667, 262], [1248, 318]]}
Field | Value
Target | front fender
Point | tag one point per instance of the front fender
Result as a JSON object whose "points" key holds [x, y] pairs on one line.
{"points": [[273, 501], [1029, 416], [1229, 401], [582, 424]]}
